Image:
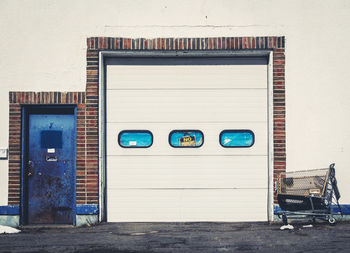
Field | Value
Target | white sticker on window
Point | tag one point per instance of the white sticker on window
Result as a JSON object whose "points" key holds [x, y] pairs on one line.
{"points": [[132, 143], [51, 150], [227, 141]]}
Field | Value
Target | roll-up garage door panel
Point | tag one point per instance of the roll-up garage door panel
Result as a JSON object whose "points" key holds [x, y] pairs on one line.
{"points": [[188, 205], [211, 144], [187, 172], [186, 105], [210, 183], [185, 77]]}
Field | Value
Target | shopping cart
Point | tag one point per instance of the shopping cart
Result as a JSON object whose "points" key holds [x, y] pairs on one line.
{"points": [[308, 194]]}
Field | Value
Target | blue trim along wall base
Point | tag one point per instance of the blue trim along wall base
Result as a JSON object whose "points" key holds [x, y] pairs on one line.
{"points": [[87, 215], [81, 209], [9, 216], [344, 208], [87, 209], [9, 210]]}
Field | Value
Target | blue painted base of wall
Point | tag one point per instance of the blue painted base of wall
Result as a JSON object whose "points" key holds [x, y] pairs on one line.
{"points": [[9, 216], [80, 209], [85, 215], [9, 210], [344, 208], [87, 209]]}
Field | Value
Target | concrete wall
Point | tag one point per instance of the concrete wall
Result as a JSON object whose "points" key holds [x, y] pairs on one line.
{"points": [[44, 49]]}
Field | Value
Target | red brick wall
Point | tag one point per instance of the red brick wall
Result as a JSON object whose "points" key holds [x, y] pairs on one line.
{"points": [[92, 132], [221, 43], [279, 113], [87, 104]]}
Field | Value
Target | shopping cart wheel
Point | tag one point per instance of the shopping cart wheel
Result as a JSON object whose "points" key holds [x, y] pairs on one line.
{"points": [[332, 221]]}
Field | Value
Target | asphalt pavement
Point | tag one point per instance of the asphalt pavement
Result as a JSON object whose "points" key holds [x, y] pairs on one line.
{"points": [[180, 237]]}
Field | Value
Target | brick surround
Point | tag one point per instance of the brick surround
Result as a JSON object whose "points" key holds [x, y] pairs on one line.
{"points": [[87, 154], [87, 104], [275, 44]]}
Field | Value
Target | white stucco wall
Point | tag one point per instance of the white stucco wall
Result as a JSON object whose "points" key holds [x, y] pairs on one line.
{"points": [[43, 47]]}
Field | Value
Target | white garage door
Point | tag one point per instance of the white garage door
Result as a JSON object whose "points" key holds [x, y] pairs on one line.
{"points": [[208, 183]]}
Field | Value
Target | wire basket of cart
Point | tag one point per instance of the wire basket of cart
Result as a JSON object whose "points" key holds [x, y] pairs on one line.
{"points": [[308, 194]]}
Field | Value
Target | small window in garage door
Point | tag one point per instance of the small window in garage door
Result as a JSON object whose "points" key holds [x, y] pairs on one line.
{"points": [[237, 138], [186, 138], [135, 139]]}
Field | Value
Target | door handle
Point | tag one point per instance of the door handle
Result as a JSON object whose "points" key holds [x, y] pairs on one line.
{"points": [[30, 170]]}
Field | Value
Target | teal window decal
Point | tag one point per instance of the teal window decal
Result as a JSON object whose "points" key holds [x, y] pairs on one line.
{"points": [[186, 138], [135, 139], [237, 138]]}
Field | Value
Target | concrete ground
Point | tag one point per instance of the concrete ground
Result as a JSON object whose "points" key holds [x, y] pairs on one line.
{"points": [[180, 237]]}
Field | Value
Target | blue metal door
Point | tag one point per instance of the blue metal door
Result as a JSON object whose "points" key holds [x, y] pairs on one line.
{"points": [[51, 169]]}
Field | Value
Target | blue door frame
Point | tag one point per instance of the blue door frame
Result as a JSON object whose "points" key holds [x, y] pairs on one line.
{"points": [[45, 111]]}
